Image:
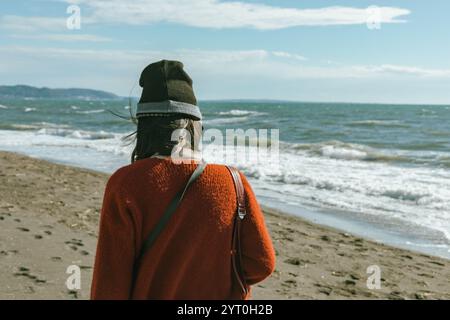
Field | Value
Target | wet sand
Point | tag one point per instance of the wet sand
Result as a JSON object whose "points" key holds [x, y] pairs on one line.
{"points": [[49, 219]]}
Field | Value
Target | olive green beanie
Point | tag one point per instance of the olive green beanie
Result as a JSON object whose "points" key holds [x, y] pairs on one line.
{"points": [[167, 89]]}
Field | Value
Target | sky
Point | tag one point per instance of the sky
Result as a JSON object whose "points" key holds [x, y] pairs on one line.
{"points": [[393, 51]]}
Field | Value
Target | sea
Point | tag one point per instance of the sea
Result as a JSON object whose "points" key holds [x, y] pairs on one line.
{"points": [[376, 170]]}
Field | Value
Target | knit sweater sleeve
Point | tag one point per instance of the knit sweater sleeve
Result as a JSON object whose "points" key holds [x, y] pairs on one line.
{"points": [[112, 278], [258, 255]]}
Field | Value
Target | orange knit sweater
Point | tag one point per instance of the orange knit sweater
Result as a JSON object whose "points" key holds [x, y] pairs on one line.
{"points": [[191, 258]]}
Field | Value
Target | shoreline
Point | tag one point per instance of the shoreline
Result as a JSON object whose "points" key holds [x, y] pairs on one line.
{"points": [[49, 215], [398, 214], [341, 221]]}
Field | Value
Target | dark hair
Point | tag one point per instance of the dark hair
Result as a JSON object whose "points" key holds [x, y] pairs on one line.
{"points": [[160, 134]]}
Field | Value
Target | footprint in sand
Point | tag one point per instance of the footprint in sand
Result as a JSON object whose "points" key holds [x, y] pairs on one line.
{"points": [[323, 288], [297, 261], [38, 236], [23, 229], [437, 263], [8, 252], [349, 282], [355, 276], [85, 267], [73, 294], [56, 258], [396, 295], [289, 283], [74, 244], [25, 272], [426, 275]]}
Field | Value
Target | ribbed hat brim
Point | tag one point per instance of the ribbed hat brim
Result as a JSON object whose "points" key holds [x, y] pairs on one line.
{"points": [[168, 106]]}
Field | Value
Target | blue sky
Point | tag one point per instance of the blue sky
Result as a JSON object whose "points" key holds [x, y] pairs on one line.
{"points": [[252, 49]]}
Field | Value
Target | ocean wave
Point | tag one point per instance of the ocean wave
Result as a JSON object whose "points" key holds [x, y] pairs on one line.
{"points": [[374, 123], [335, 149], [77, 134], [426, 145], [219, 121], [418, 195], [32, 126], [3, 107], [405, 195], [439, 133], [341, 151], [30, 109], [90, 111], [308, 175], [241, 113], [19, 127]]}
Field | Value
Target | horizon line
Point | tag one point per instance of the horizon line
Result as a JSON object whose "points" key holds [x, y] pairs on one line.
{"points": [[248, 99]]}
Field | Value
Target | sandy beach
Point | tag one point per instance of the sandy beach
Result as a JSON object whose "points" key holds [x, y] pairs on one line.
{"points": [[49, 218]]}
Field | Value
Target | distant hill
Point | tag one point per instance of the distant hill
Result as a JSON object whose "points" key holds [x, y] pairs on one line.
{"points": [[23, 91]]}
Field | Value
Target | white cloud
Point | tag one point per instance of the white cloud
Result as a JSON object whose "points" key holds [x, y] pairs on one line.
{"points": [[38, 28], [405, 70], [65, 37], [30, 24], [232, 63], [226, 74], [232, 14], [283, 54]]}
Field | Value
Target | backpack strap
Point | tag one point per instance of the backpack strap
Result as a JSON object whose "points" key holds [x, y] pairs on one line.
{"points": [[236, 252], [170, 210]]}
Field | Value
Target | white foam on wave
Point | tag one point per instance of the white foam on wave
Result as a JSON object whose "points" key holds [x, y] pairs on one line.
{"points": [[219, 121], [357, 152], [383, 123], [90, 111], [77, 134], [343, 153], [338, 150], [30, 109], [305, 175], [80, 140], [236, 112], [3, 107], [413, 196], [35, 126]]}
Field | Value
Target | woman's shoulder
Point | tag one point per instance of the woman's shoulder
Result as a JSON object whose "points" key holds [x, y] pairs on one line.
{"points": [[127, 173], [130, 174], [221, 174]]}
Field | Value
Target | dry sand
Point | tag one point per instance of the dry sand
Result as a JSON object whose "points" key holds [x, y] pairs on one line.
{"points": [[49, 216]]}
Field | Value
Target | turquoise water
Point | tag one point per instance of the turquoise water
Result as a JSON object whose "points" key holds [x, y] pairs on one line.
{"points": [[380, 168]]}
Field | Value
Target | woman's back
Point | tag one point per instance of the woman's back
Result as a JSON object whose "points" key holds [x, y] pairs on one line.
{"points": [[191, 258]]}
